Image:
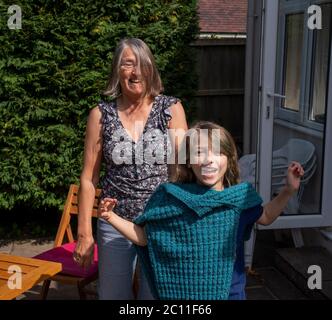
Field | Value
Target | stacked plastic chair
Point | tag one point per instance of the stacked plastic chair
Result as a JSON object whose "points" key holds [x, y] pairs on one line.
{"points": [[298, 150]]}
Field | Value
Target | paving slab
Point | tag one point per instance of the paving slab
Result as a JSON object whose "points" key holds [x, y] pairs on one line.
{"points": [[6, 247], [279, 285], [294, 263], [260, 293], [58, 291], [26, 248]]}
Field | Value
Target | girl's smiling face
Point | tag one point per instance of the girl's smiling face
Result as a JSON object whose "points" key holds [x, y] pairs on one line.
{"points": [[207, 156], [209, 166]]}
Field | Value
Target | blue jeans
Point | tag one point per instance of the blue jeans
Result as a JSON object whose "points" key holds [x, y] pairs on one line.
{"points": [[116, 264]]}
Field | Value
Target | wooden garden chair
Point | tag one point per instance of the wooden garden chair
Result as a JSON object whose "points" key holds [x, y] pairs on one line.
{"points": [[62, 252]]}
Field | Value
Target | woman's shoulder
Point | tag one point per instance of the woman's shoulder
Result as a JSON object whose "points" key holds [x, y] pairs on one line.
{"points": [[106, 106], [166, 101], [167, 108], [95, 113], [106, 110]]}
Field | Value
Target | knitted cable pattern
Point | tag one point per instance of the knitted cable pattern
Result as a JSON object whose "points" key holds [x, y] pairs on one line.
{"points": [[191, 233]]}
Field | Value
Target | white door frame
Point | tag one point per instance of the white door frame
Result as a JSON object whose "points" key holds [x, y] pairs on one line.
{"points": [[268, 78]]}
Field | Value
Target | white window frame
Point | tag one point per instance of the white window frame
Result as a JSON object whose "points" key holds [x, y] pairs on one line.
{"points": [[300, 117]]}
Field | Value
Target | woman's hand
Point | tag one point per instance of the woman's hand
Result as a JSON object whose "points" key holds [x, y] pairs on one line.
{"points": [[294, 174], [84, 251], [105, 209]]}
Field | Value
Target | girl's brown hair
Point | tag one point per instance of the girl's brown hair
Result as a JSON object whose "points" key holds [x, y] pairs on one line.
{"points": [[180, 172]]}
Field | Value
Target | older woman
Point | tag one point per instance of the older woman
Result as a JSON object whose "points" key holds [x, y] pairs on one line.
{"points": [[131, 135]]}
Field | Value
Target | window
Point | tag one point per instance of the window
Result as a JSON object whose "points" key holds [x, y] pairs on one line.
{"points": [[304, 64]]}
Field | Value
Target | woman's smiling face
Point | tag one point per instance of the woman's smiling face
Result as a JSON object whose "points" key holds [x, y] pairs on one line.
{"points": [[131, 80]]}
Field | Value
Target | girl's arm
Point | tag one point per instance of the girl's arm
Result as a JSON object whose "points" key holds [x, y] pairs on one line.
{"points": [[273, 209], [130, 230]]}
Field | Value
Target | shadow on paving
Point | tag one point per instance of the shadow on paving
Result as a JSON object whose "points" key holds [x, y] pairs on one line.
{"points": [[58, 291]]}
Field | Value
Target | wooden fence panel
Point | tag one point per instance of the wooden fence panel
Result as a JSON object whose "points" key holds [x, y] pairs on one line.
{"points": [[220, 96]]}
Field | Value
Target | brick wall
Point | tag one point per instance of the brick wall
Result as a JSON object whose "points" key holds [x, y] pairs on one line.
{"points": [[223, 16]]}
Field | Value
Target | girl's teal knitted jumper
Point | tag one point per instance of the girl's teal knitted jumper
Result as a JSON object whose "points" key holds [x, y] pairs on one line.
{"points": [[191, 232]]}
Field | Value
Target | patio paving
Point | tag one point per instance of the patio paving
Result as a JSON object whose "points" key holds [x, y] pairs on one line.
{"points": [[267, 282], [270, 284]]}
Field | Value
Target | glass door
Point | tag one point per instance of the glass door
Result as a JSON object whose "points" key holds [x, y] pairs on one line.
{"points": [[296, 110]]}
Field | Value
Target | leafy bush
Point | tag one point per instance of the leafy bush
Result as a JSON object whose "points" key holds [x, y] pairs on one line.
{"points": [[53, 71]]}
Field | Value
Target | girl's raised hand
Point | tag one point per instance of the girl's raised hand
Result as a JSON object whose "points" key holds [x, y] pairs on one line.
{"points": [[294, 174], [106, 207]]}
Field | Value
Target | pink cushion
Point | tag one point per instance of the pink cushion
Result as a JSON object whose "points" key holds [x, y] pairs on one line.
{"points": [[64, 255]]}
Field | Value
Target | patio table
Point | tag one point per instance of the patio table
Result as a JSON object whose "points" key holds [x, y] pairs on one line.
{"points": [[32, 271]]}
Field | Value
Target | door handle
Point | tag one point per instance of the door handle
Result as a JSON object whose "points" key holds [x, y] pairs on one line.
{"points": [[275, 95]]}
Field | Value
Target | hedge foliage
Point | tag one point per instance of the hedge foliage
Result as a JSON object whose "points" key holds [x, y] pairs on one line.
{"points": [[52, 72]]}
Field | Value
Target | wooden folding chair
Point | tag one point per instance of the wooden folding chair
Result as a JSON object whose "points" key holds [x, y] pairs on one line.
{"points": [[63, 252]]}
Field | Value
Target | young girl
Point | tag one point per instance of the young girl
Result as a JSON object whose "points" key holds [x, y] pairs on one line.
{"points": [[191, 235]]}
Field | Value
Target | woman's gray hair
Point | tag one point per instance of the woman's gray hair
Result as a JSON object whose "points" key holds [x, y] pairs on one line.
{"points": [[145, 65]]}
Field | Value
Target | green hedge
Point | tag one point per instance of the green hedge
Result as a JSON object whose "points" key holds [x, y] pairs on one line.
{"points": [[53, 71]]}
